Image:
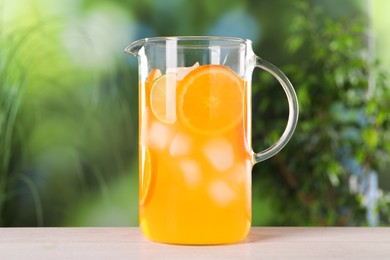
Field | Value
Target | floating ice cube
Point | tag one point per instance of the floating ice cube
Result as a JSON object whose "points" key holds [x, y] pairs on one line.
{"points": [[180, 145], [158, 135], [239, 173], [220, 153], [221, 193], [181, 72], [191, 172]]}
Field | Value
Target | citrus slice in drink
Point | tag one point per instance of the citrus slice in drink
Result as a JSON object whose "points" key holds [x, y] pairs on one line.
{"points": [[163, 98], [211, 99], [153, 75], [146, 180]]}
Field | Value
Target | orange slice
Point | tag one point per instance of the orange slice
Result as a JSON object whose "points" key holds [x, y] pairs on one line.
{"points": [[146, 180], [211, 99], [153, 75], [163, 98]]}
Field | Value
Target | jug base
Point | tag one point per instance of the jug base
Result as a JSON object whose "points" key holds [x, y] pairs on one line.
{"points": [[207, 239]]}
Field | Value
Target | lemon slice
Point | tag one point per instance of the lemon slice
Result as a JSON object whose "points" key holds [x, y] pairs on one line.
{"points": [[163, 98]]}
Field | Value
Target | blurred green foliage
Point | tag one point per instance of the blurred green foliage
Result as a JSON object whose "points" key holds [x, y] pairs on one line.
{"points": [[68, 108], [67, 121], [326, 175]]}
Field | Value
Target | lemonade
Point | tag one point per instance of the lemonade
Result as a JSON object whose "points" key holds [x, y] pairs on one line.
{"points": [[195, 156]]}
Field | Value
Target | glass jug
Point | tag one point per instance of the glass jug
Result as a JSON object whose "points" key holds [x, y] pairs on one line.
{"points": [[195, 154]]}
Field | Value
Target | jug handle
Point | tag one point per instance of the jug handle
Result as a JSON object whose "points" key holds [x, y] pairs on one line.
{"points": [[293, 110]]}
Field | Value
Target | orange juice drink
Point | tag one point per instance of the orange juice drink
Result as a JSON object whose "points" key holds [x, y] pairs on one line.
{"points": [[195, 156]]}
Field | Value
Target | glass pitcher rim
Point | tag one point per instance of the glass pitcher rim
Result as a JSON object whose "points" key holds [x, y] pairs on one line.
{"points": [[215, 40]]}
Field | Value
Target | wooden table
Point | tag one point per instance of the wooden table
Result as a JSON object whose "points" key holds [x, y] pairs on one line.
{"points": [[128, 243]]}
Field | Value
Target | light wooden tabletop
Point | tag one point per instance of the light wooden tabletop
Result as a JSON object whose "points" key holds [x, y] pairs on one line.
{"points": [[128, 243]]}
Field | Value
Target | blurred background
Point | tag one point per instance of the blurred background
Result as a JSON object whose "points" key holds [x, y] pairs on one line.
{"points": [[68, 107]]}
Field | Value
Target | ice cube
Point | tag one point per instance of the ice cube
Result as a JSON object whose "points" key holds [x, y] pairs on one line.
{"points": [[158, 135], [221, 193], [181, 72], [239, 173], [220, 153], [180, 145], [191, 172]]}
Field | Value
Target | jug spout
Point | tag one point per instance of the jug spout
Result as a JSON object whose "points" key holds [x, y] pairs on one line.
{"points": [[134, 47]]}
